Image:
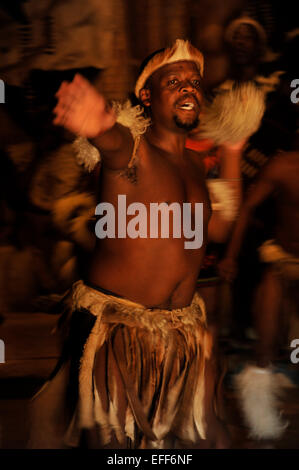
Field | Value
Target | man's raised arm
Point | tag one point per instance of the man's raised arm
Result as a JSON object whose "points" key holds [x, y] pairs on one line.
{"points": [[259, 192], [82, 110]]}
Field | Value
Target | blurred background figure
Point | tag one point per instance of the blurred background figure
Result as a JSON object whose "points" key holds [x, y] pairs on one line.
{"points": [[245, 42], [279, 255], [276, 300], [275, 305], [250, 60]]}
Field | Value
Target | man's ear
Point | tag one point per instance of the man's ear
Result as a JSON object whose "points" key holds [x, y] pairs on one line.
{"points": [[145, 96]]}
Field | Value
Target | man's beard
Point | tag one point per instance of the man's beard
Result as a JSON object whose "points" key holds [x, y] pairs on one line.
{"points": [[187, 126]]}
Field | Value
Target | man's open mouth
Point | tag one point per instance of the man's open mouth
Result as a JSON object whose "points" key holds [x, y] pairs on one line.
{"points": [[187, 106]]}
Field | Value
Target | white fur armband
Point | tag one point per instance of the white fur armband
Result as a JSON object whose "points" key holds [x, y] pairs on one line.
{"points": [[86, 153], [223, 198], [128, 116]]}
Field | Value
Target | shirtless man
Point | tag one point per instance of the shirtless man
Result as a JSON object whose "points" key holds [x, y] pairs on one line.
{"points": [[150, 278], [166, 172]]}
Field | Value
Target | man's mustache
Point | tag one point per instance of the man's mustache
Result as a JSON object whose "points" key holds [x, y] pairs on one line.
{"points": [[187, 96]]}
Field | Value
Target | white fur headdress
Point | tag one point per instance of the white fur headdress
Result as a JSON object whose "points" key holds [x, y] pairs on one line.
{"points": [[181, 50]]}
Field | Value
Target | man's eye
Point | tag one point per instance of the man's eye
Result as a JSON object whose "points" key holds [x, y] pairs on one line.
{"points": [[196, 83], [172, 82]]}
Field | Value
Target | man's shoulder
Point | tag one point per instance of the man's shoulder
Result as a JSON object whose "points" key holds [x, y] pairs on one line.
{"points": [[291, 163], [283, 159], [281, 166]]}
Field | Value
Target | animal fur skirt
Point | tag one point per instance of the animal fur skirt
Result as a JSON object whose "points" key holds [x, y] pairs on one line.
{"points": [[129, 376]]}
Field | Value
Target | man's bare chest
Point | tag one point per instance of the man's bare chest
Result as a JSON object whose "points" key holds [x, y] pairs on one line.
{"points": [[166, 199], [157, 177]]}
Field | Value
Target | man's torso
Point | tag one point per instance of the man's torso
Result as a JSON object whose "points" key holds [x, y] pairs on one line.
{"points": [[152, 271]]}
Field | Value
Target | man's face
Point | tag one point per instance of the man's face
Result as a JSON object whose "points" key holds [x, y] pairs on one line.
{"points": [[245, 46], [175, 96]]}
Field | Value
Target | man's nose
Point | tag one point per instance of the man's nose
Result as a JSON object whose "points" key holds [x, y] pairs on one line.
{"points": [[186, 86]]}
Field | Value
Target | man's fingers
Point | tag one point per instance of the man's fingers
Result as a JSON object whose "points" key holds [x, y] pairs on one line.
{"points": [[68, 101], [60, 116], [60, 109], [81, 82], [58, 120], [69, 90], [77, 86], [63, 117], [63, 120], [62, 89], [78, 104]]}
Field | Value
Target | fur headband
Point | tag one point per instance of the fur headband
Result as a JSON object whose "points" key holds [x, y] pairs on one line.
{"points": [[181, 50]]}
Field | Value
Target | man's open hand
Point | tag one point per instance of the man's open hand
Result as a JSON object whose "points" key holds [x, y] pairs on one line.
{"points": [[81, 109]]}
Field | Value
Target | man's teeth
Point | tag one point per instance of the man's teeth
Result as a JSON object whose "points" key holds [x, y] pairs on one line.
{"points": [[187, 106]]}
